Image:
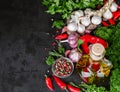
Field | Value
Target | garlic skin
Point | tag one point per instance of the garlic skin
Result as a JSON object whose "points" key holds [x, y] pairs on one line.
{"points": [[81, 29], [96, 20], [107, 15], [72, 26], [85, 21], [113, 7]]}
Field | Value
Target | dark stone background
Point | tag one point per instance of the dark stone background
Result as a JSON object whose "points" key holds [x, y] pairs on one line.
{"points": [[25, 39]]}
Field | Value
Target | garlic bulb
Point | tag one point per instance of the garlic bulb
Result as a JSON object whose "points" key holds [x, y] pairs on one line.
{"points": [[79, 13], [113, 7], [96, 20], [85, 21], [72, 26], [81, 29], [107, 14], [75, 55]]}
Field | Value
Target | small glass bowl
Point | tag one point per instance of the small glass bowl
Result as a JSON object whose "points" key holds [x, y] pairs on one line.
{"points": [[63, 67]]}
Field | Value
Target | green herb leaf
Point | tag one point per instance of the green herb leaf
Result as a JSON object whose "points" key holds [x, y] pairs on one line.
{"points": [[58, 24], [113, 51], [80, 42], [50, 60], [104, 33], [55, 54], [61, 50], [115, 80]]}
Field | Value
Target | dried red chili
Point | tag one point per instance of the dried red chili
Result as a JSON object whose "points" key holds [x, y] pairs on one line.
{"points": [[49, 82], [61, 36], [73, 89]]}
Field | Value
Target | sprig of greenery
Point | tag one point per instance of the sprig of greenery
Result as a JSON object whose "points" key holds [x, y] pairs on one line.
{"points": [[53, 54], [58, 24], [113, 50], [104, 33], [50, 60], [89, 88], [115, 80]]}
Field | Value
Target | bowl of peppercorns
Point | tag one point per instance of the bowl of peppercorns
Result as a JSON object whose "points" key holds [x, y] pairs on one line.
{"points": [[63, 67]]}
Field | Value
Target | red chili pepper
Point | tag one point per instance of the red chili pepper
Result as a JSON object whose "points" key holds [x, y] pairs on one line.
{"points": [[60, 83], [116, 15], [111, 21], [49, 83], [73, 89], [85, 78], [61, 36], [85, 69], [94, 39], [105, 24], [91, 39], [95, 66], [85, 47]]}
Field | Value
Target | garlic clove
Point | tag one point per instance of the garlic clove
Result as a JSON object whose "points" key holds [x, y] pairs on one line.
{"points": [[81, 29], [96, 20], [85, 21], [72, 26], [113, 7], [107, 15], [79, 13], [87, 11]]}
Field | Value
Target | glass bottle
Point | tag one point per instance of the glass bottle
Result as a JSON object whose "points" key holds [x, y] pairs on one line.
{"points": [[94, 67]]}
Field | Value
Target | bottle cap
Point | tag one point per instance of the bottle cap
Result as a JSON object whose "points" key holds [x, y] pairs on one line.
{"points": [[97, 49]]}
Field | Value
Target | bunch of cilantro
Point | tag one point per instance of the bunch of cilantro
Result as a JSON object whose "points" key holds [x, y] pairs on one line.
{"points": [[66, 7]]}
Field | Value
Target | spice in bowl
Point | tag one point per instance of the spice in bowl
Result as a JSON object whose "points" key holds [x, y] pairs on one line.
{"points": [[63, 67]]}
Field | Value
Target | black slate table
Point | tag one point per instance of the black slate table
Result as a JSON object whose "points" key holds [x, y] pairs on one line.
{"points": [[25, 40]]}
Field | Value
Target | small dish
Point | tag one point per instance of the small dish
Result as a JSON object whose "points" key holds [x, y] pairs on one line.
{"points": [[63, 67]]}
